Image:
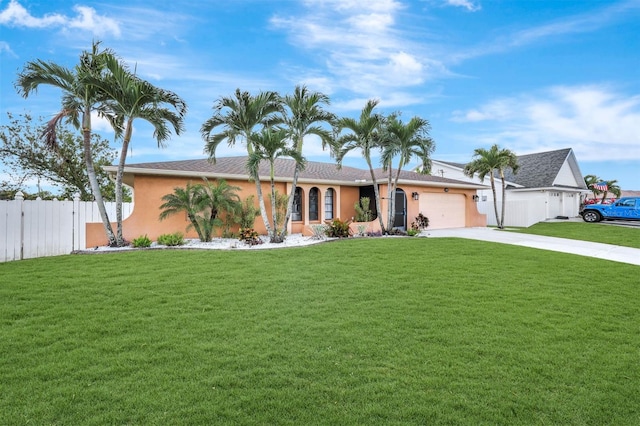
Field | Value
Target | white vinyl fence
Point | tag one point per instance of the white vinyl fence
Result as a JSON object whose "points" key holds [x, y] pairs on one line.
{"points": [[38, 228], [521, 213]]}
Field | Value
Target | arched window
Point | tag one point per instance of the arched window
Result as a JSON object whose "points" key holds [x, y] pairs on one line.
{"points": [[313, 204], [296, 212], [328, 204]]}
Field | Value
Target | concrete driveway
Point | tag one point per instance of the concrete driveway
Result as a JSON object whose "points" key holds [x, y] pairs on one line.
{"points": [[582, 248]]}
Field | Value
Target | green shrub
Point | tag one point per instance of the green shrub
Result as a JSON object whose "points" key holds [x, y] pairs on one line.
{"points": [[175, 239], [415, 226], [248, 212], [319, 231], [363, 212], [362, 230], [249, 236], [282, 200], [338, 229], [141, 242], [414, 230], [421, 221]]}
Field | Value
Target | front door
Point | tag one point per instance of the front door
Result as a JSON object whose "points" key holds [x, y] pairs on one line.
{"points": [[400, 220]]}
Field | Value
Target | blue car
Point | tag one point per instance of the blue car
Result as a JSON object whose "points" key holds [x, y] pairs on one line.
{"points": [[627, 208]]}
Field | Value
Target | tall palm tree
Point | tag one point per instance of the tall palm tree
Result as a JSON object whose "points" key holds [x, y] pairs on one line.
{"points": [[488, 162], [306, 113], [362, 135], [404, 141], [128, 98], [240, 116], [269, 145], [80, 97], [612, 187]]}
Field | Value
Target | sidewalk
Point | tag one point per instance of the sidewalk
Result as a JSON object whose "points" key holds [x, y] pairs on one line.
{"points": [[582, 248]]}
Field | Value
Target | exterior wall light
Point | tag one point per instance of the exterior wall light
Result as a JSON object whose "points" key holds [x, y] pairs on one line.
{"points": [[476, 198], [446, 190], [415, 196]]}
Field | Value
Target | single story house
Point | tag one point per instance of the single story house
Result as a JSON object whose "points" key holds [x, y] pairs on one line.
{"points": [[547, 185], [324, 192]]}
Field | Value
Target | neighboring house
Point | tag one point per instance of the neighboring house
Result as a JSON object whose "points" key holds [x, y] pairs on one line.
{"points": [[547, 185], [324, 192]]}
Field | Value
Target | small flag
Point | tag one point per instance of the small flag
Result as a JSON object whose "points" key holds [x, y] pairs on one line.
{"points": [[601, 186]]}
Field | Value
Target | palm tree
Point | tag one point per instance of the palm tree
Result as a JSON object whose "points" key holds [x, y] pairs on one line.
{"points": [[404, 141], [268, 145], [188, 200], [591, 181], [80, 97], [128, 98], [218, 198], [612, 186], [240, 116], [203, 204], [304, 119], [363, 135], [487, 162]]}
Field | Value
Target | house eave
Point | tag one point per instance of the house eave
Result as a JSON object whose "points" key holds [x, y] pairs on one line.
{"points": [[244, 177], [551, 188]]}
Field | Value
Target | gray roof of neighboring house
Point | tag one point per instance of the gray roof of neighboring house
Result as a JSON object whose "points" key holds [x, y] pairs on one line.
{"points": [[539, 170], [235, 167]]}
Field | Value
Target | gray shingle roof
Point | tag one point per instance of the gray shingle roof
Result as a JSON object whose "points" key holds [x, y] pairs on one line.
{"points": [[539, 170], [235, 167]]}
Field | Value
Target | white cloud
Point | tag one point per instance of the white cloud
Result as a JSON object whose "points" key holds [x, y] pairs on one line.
{"points": [[86, 19], [4, 47], [595, 121], [18, 16], [498, 110], [358, 5], [99, 124], [467, 4], [574, 24], [363, 45]]}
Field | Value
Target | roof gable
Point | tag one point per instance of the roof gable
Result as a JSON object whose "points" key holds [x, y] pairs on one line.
{"points": [[545, 169]]}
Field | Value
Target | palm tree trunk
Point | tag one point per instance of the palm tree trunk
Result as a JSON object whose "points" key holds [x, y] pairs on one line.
{"points": [[495, 199], [393, 193], [376, 192], [263, 209], [294, 185], [196, 226], [275, 237], [93, 180], [391, 199], [119, 176], [504, 199], [292, 194]]}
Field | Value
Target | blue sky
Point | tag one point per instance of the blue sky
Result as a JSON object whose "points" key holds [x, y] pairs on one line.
{"points": [[529, 75]]}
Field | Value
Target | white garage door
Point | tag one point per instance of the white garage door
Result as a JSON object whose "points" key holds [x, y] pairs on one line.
{"points": [[443, 210]]}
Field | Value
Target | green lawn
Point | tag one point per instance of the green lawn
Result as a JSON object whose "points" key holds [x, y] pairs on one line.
{"points": [[595, 232], [364, 331]]}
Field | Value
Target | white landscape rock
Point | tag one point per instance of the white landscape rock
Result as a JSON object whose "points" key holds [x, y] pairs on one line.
{"points": [[294, 240]]}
